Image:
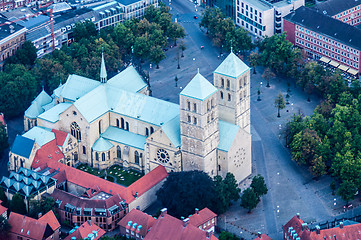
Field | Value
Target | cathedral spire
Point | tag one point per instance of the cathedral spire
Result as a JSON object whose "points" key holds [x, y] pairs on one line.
{"points": [[103, 71]]}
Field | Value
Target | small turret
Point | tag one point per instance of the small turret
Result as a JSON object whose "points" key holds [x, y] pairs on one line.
{"points": [[103, 71]]}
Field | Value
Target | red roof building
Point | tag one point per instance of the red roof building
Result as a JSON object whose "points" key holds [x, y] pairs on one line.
{"points": [[81, 196], [50, 219], [297, 229], [170, 228], [262, 237], [3, 210], [204, 219], [136, 224], [23, 227], [87, 230]]}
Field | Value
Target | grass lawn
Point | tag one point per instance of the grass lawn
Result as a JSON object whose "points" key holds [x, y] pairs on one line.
{"points": [[123, 177]]}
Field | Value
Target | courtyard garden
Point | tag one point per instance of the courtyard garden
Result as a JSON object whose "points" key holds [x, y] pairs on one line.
{"points": [[115, 174]]}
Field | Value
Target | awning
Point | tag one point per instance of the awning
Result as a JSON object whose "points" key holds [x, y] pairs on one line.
{"points": [[334, 64], [325, 59], [343, 67], [352, 71]]}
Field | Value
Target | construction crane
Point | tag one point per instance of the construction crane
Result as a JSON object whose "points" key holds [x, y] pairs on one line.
{"points": [[50, 11]]}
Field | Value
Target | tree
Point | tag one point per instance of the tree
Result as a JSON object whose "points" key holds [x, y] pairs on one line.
{"points": [[17, 204], [40, 206], [84, 30], [3, 198], [249, 199], [259, 186], [26, 55], [347, 190], [280, 103], [232, 187], [183, 47], [157, 55], [4, 228], [4, 143], [267, 75], [333, 186], [227, 190], [253, 60], [194, 189], [228, 236]]}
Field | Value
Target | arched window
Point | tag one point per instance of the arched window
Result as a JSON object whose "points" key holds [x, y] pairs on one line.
{"points": [[136, 157], [208, 103], [212, 103], [146, 132], [240, 96], [122, 123], [100, 126], [117, 122], [194, 107], [195, 120], [22, 163], [151, 130], [188, 105], [127, 126], [228, 84], [240, 83], [229, 97], [119, 152], [75, 131], [96, 156], [189, 118], [75, 156], [221, 95], [29, 124], [222, 83], [103, 157], [245, 81]]}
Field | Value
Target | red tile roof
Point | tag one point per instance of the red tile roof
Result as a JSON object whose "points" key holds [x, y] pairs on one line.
{"points": [[2, 208], [2, 119], [263, 237], [346, 232], [171, 228], [49, 151], [60, 137], [202, 217], [50, 218], [85, 229], [90, 181], [140, 218], [29, 227]]}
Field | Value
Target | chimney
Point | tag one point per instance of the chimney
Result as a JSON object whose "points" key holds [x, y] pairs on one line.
{"points": [[40, 215], [163, 212], [209, 233], [298, 215], [197, 211], [185, 222], [304, 226], [341, 224], [259, 234], [318, 229]]}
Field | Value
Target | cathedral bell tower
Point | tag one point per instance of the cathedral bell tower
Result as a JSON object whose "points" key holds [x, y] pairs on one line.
{"points": [[232, 78], [199, 125]]}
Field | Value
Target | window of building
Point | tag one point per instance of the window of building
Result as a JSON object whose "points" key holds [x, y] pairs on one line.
{"points": [[221, 94], [100, 126], [84, 150], [117, 122], [119, 152], [228, 84], [75, 131], [188, 105], [229, 97], [127, 126], [96, 156], [136, 157], [151, 130], [194, 107], [189, 118], [195, 120], [222, 82], [146, 132], [103, 157], [122, 123]]}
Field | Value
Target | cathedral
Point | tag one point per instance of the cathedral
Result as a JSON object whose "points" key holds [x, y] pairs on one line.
{"points": [[115, 121]]}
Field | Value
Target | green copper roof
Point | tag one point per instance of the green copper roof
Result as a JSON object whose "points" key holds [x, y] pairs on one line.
{"points": [[110, 98], [43, 98], [76, 86], [102, 145], [58, 90], [52, 115], [103, 71], [172, 130], [199, 88], [34, 110], [40, 135], [232, 66], [129, 80], [227, 133], [46, 107], [124, 137]]}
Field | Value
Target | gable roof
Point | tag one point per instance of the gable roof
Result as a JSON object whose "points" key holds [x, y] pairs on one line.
{"points": [[199, 88], [120, 136], [333, 7], [60, 137], [40, 135], [22, 146], [128, 79], [43, 98], [227, 133], [76, 86], [50, 219], [2, 208], [29, 227], [135, 216], [169, 227], [52, 115], [203, 216], [172, 130], [318, 22], [232, 66], [87, 230], [34, 110], [263, 237]]}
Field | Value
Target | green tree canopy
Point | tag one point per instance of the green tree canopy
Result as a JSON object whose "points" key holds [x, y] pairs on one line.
{"points": [[17, 204], [26, 55], [280, 103], [40, 206], [249, 199], [4, 228], [4, 143], [259, 186], [228, 236]]}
